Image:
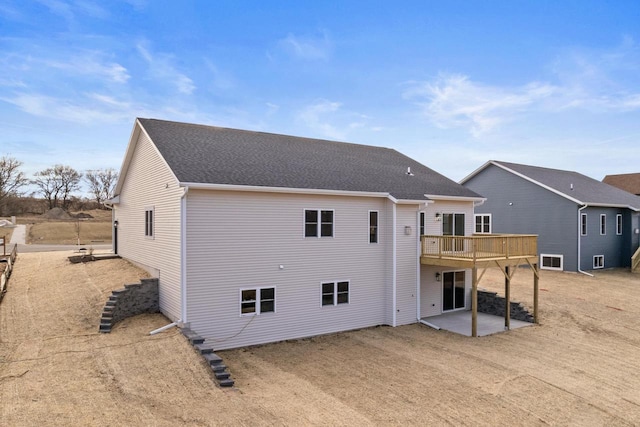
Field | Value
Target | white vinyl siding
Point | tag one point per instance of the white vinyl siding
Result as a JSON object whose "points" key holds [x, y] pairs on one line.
{"points": [[407, 264], [223, 258], [149, 182]]}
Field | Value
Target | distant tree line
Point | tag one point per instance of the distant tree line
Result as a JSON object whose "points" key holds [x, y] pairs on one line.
{"points": [[57, 186]]}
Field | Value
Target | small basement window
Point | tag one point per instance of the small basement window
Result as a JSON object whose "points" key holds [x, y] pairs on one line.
{"points": [[551, 262], [598, 261]]}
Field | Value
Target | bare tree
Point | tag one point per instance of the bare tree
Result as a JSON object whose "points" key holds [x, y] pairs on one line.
{"points": [[57, 185], [101, 182], [11, 179]]}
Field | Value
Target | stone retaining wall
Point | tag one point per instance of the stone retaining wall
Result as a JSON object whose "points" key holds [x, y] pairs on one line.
{"points": [[491, 303], [130, 301]]}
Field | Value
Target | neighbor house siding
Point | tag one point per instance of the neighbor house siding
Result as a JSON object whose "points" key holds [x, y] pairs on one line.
{"points": [[239, 240], [611, 245], [519, 206], [150, 184]]}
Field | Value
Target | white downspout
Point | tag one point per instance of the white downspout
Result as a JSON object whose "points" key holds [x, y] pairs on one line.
{"points": [[183, 254], [394, 266], [580, 239]]}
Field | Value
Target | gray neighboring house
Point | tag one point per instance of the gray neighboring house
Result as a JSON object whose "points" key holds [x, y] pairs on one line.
{"points": [[581, 223], [257, 237]]}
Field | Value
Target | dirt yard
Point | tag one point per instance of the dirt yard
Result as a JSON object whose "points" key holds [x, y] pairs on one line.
{"points": [[580, 366]]}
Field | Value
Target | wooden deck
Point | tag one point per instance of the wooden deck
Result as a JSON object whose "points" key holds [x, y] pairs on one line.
{"points": [[470, 251]]}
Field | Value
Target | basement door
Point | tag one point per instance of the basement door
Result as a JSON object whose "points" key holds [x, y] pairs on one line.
{"points": [[453, 290]]}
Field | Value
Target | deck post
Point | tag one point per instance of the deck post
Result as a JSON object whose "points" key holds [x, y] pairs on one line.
{"points": [[507, 298], [536, 273], [474, 302]]}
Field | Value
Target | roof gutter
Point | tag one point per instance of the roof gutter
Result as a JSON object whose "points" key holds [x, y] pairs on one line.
{"points": [[580, 239]]}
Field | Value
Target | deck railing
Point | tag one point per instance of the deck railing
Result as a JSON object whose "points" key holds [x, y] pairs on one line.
{"points": [[635, 262], [480, 247]]}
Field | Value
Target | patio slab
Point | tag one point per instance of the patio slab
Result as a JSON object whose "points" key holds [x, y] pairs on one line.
{"points": [[459, 322]]}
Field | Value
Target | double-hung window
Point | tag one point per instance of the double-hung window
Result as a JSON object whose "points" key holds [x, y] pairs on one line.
{"points": [[318, 223], [257, 301], [148, 222], [334, 293], [373, 226]]}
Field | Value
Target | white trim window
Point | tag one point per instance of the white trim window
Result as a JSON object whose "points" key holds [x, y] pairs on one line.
{"points": [[603, 224], [583, 224], [373, 226], [149, 220], [318, 222], [598, 261], [423, 216], [619, 224], [552, 262], [255, 301], [483, 223], [334, 293]]}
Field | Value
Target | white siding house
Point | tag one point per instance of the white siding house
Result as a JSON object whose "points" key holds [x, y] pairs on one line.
{"points": [[259, 237]]}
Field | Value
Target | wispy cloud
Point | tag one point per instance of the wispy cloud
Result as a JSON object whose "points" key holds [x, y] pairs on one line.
{"points": [[161, 67], [307, 47], [599, 82], [456, 101], [330, 120]]}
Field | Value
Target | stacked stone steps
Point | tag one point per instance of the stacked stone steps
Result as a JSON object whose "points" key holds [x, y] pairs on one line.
{"points": [[129, 301], [219, 369], [492, 303]]}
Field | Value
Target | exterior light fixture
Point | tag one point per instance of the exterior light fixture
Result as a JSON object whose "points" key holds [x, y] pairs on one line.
{"points": [[437, 276]]}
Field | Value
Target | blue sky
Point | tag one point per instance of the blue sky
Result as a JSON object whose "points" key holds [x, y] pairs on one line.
{"points": [[449, 83]]}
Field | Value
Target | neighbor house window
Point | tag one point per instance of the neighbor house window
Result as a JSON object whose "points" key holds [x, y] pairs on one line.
{"points": [[334, 293], [603, 224], [583, 224], [619, 224], [483, 223], [598, 261], [257, 301], [373, 226], [551, 262], [318, 223], [148, 222]]}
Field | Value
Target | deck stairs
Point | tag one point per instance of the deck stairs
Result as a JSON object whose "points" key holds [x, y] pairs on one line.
{"points": [[635, 262]]}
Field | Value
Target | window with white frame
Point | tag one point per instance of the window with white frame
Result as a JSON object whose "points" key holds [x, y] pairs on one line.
{"points": [[256, 301], [149, 214], [483, 223], [603, 224], [334, 293], [373, 226], [318, 223], [583, 224], [619, 224], [422, 223], [598, 261], [551, 262]]}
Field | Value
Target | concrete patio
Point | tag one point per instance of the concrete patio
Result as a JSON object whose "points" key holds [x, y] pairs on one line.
{"points": [[459, 322]]}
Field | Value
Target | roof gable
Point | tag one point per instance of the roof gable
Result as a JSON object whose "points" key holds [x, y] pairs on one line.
{"points": [[199, 154], [572, 185]]}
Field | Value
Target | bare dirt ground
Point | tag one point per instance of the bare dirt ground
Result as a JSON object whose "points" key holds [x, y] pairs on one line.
{"points": [[66, 230], [580, 366]]}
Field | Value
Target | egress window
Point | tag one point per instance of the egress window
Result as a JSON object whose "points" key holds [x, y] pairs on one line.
{"points": [[318, 223], [257, 301], [334, 293], [551, 262], [598, 261]]}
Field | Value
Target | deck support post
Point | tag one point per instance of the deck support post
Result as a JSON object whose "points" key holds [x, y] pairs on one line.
{"points": [[474, 302], [536, 274], [507, 298]]}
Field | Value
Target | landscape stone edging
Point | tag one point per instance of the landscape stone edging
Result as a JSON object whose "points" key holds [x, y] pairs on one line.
{"points": [[130, 301], [490, 303], [215, 362]]}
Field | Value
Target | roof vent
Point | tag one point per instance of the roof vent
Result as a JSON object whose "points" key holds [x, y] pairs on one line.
{"points": [[571, 185], [409, 171]]}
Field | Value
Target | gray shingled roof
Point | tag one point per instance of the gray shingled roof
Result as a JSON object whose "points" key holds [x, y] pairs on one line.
{"points": [[586, 190], [213, 155]]}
